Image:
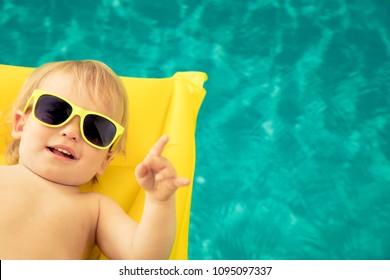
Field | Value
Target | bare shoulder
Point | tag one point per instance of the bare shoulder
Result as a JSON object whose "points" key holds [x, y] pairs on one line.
{"points": [[9, 174], [7, 169], [3, 171], [103, 203], [106, 203], [8, 180]]}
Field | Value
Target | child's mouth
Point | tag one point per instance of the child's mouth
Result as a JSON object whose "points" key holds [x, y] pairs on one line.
{"points": [[61, 152]]}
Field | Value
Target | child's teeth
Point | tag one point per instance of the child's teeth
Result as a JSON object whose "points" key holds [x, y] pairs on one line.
{"points": [[63, 151]]}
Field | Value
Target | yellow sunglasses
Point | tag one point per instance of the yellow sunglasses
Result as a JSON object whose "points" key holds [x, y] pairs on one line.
{"points": [[53, 110]]}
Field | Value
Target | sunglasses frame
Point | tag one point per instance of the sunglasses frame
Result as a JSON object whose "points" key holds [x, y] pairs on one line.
{"points": [[76, 111]]}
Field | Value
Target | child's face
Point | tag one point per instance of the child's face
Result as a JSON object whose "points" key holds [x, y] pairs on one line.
{"points": [[42, 148]]}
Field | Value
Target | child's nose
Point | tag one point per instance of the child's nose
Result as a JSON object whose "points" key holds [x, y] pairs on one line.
{"points": [[72, 129]]}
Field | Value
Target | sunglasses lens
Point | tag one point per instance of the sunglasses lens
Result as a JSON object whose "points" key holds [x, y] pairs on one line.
{"points": [[55, 111], [52, 110], [98, 130]]}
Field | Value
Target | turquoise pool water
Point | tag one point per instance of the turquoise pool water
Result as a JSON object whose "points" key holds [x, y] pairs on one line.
{"points": [[293, 138]]}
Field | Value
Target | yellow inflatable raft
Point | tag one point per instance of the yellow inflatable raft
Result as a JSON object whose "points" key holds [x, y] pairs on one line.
{"points": [[156, 106]]}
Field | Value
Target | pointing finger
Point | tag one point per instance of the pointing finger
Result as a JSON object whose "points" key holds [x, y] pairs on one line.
{"points": [[158, 147]]}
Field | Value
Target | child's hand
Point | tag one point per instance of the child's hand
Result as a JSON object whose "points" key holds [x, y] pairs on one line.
{"points": [[157, 175]]}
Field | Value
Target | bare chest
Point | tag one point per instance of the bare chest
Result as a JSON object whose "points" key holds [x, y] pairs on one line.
{"points": [[46, 223]]}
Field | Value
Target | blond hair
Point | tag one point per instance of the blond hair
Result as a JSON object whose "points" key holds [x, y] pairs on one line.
{"points": [[90, 76]]}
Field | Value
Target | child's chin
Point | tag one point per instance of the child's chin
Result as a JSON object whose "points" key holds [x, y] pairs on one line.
{"points": [[72, 180]]}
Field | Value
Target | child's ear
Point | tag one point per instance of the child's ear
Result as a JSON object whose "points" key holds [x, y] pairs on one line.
{"points": [[105, 163], [18, 124]]}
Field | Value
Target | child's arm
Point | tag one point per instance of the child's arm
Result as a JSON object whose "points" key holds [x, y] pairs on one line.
{"points": [[153, 238]]}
